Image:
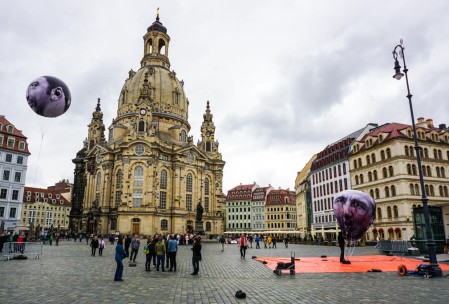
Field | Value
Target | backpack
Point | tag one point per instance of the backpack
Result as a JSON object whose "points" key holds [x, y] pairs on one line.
{"points": [[146, 249]]}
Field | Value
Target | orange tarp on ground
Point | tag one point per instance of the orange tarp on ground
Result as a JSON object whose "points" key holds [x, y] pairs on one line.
{"points": [[358, 263]]}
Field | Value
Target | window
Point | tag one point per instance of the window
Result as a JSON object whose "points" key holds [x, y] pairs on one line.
{"points": [[370, 177], [388, 153], [3, 193], [206, 186], [15, 195], [189, 182], [206, 204], [8, 158], [382, 155], [12, 212], [379, 213], [183, 136], [355, 164], [406, 150], [389, 212], [390, 171], [9, 129], [368, 160], [409, 169], [412, 189], [208, 226], [393, 190], [31, 216], [384, 173], [138, 176], [163, 179], [10, 143], [141, 128], [17, 176], [21, 145], [137, 198], [98, 189], [164, 225], [6, 174], [139, 150], [20, 160], [387, 192], [373, 158], [375, 174], [163, 200], [189, 202]]}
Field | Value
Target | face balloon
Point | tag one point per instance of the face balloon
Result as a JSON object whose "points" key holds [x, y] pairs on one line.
{"points": [[48, 96], [355, 212]]}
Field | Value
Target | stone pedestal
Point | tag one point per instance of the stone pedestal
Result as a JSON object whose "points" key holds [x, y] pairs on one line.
{"points": [[199, 227]]}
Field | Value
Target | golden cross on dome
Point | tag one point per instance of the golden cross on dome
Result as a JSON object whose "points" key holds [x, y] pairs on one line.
{"points": [[157, 12]]}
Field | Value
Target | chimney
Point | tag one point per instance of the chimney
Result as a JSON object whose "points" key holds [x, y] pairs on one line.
{"points": [[420, 119], [429, 123], [442, 126]]}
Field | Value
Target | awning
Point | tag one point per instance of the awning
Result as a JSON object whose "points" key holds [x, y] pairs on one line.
{"points": [[397, 229], [374, 230], [390, 230], [381, 230]]}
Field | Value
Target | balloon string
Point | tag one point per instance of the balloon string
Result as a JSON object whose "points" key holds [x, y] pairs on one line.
{"points": [[43, 131]]}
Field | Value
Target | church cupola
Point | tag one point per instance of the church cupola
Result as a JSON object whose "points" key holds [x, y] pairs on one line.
{"points": [[156, 43], [96, 127], [207, 142]]}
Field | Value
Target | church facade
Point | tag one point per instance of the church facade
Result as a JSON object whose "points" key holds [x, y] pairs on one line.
{"points": [[148, 176]]}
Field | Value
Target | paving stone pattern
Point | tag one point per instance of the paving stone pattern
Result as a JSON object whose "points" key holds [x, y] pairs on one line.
{"points": [[68, 274]]}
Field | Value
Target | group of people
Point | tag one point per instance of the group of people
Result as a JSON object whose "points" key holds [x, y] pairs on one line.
{"points": [[160, 251]]}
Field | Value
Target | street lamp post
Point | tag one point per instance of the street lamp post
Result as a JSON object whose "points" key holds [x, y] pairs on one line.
{"points": [[429, 242]]}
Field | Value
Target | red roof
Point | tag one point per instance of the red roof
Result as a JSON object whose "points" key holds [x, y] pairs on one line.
{"points": [[46, 193], [16, 134]]}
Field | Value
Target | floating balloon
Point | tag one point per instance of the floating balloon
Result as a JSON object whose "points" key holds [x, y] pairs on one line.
{"points": [[48, 96], [355, 212]]}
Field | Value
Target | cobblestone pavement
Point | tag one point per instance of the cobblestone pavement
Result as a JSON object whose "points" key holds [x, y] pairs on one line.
{"points": [[68, 274]]}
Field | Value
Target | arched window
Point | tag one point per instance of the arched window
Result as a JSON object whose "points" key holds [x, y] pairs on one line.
{"points": [[427, 188], [432, 190], [208, 226], [373, 158], [429, 172], [414, 169], [371, 193], [426, 153], [206, 186], [377, 193], [163, 179], [138, 176], [406, 150], [118, 188], [393, 190], [361, 179], [161, 46], [412, 189], [409, 169], [164, 225], [387, 192], [356, 179], [384, 173], [355, 164], [150, 46], [395, 211], [440, 190], [98, 189], [344, 168], [446, 194], [379, 213], [189, 186], [388, 153], [368, 160], [443, 173], [141, 126], [390, 170], [438, 172], [208, 147], [183, 136], [360, 162], [424, 171], [435, 155], [416, 189], [382, 155], [370, 176], [389, 215], [412, 152], [440, 155]]}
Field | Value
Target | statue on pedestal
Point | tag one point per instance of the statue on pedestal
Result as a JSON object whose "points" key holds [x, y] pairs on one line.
{"points": [[199, 212]]}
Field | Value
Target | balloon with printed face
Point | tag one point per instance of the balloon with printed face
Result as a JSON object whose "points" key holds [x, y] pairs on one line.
{"points": [[355, 212], [48, 96]]}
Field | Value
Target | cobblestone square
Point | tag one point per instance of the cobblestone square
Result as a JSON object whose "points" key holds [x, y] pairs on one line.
{"points": [[68, 274]]}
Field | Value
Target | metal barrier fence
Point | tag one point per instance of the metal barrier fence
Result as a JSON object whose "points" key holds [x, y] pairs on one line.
{"points": [[11, 249]]}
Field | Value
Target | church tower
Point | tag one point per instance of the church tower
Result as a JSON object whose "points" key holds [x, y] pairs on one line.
{"points": [[149, 176]]}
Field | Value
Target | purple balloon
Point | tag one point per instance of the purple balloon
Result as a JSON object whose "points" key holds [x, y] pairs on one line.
{"points": [[355, 212], [48, 96]]}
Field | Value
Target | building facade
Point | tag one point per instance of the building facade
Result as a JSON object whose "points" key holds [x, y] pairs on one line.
{"points": [[258, 199], [304, 198], [148, 176], [238, 208], [383, 164], [280, 210], [330, 174], [45, 208], [13, 168]]}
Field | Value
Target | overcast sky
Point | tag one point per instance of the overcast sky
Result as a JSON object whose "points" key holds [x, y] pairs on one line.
{"points": [[284, 78]]}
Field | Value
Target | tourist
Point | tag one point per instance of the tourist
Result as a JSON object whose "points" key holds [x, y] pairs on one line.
{"points": [[100, 246], [94, 244], [257, 241], [286, 242], [196, 257], [153, 249], [222, 242], [243, 244], [120, 254], [148, 255], [269, 241], [160, 253], [341, 244], [135, 244], [172, 249], [127, 244]]}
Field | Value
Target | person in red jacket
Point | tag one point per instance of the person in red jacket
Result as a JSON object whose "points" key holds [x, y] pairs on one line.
{"points": [[243, 244]]}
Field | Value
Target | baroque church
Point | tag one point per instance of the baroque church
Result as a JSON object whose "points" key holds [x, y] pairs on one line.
{"points": [[148, 176]]}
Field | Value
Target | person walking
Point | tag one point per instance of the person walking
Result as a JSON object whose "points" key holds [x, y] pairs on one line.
{"points": [[148, 255], [264, 242], [257, 239], [160, 253], [286, 242], [94, 244], [269, 240], [51, 238], [274, 242], [120, 254], [243, 244], [127, 244], [341, 244], [57, 239], [222, 242], [100, 246], [135, 244], [196, 257], [172, 249]]}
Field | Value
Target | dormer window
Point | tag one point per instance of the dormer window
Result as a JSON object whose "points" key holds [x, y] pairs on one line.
{"points": [[409, 133], [176, 97], [381, 137], [11, 143], [9, 129], [50, 195]]}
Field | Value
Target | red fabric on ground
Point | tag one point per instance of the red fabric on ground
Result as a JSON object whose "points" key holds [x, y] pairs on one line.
{"points": [[358, 263]]}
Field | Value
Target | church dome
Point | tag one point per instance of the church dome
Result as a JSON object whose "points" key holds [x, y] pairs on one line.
{"points": [[158, 88], [157, 26]]}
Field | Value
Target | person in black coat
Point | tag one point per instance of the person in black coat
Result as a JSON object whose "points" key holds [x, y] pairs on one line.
{"points": [[196, 258], [94, 244], [341, 244], [127, 244]]}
